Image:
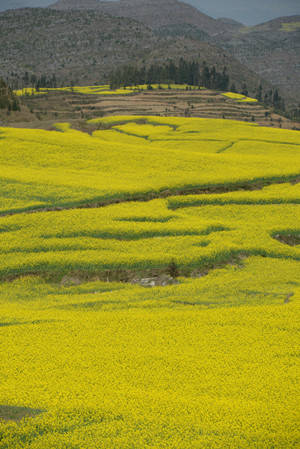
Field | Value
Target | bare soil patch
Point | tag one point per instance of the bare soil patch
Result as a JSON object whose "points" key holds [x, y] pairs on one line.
{"points": [[13, 413], [288, 239]]}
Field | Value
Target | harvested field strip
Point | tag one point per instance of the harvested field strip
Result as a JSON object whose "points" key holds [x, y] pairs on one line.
{"points": [[13, 413], [126, 275]]}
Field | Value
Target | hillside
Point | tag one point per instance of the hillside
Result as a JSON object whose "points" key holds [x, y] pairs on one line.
{"points": [[76, 46], [85, 46], [213, 55], [76, 106], [149, 230], [8, 101], [164, 17], [149, 285], [11, 108], [270, 49]]}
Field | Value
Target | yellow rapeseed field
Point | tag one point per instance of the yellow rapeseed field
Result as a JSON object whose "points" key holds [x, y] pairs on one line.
{"points": [[87, 90], [135, 235], [239, 97], [50, 168], [103, 89], [207, 363]]}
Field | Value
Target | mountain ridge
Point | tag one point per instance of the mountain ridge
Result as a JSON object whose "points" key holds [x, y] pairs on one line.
{"points": [[270, 49], [153, 13], [85, 46]]}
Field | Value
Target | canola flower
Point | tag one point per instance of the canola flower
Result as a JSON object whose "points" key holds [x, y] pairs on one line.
{"points": [[101, 89], [46, 168], [207, 363], [87, 90], [211, 362], [239, 97], [140, 235]]}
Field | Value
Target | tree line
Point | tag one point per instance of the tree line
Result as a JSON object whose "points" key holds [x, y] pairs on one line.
{"points": [[39, 82], [185, 72], [8, 101]]}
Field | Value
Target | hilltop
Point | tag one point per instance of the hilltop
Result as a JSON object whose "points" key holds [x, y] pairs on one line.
{"points": [[167, 17]]}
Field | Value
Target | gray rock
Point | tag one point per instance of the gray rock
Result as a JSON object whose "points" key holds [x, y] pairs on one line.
{"points": [[158, 281]]}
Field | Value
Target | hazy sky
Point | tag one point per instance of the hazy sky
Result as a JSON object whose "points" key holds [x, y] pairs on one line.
{"points": [[249, 12]]}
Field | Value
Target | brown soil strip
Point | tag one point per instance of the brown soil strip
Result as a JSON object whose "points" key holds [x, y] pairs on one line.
{"points": [[13, 413], [288, 239]]}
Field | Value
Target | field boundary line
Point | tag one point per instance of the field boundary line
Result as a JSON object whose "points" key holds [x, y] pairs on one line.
{"points": [[257, 184]]}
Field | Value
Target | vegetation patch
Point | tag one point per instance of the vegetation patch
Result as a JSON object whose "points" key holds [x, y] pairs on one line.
{"points": [[288, 239], [14, 413], [290, 26], [239, 97], [53, 170]]}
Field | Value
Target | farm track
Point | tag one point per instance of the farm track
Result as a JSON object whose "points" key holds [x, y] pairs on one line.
{"points": [[218, 189]]}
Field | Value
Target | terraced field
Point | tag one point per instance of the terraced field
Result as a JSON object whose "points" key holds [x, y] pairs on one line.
{"points": [[89, 357], [81, 103]]}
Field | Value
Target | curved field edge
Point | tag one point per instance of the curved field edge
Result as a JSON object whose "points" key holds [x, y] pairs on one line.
{"points": [[119, 241], [187, 192], [43, 169]]}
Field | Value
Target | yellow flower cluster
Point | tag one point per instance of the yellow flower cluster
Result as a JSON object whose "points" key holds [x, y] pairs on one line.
{"points": [[239, 97], [137, 156], [210, 362], [87, 90], [151, 234], [207, 363], [101, 89]]}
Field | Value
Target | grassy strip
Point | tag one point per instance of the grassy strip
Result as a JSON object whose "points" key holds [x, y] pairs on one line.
{"points": [[128, 275], [257, 184]]}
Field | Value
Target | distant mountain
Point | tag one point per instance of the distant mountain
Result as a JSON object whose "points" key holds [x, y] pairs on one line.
{"points": [[75, 45], [230, 24], [213, 55], [271, 49], [86, 46], [163, 17]]}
